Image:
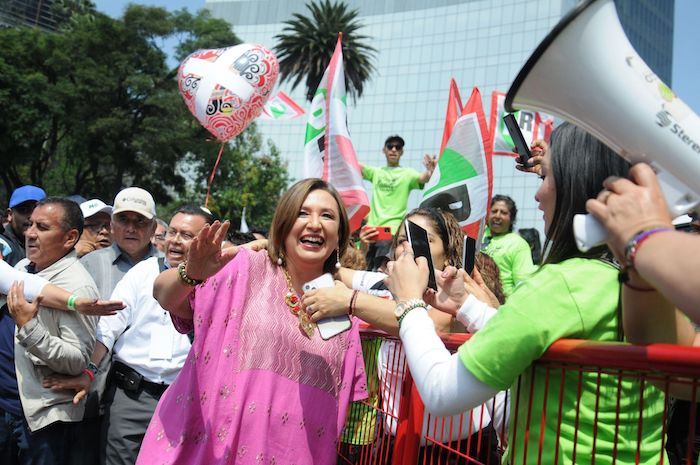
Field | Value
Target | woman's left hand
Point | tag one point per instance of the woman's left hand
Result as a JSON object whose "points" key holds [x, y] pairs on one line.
{"points": [[327, 301], [407, 276], [451, 293], [21, 310]]}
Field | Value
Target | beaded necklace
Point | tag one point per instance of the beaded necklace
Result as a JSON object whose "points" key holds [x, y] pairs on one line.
{"points": [[293, 301]]}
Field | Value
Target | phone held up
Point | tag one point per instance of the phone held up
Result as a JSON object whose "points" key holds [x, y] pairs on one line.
{"points": [[332, 326], [418, 238], [383, 232], [518, 139], [469, 254]]}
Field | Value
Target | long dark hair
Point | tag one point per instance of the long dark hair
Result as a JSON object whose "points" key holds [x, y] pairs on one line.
{"points": [[579, 164]]}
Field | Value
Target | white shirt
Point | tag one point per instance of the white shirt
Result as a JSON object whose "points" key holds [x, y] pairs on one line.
{"points": [[142, 335], [391, 362]]}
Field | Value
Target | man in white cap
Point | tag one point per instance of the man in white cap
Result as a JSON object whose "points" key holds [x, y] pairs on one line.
{"points": [[133, 224], [97, 233]]}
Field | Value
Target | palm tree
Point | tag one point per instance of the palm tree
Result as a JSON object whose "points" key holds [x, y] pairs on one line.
{"points": [[306, 44]]}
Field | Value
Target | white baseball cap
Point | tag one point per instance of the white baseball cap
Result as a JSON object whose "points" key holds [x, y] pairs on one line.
{"points": [[135, 199], [94, 206]]}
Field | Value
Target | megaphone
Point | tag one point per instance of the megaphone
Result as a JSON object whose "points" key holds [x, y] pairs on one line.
{"points": [[587, 72]]}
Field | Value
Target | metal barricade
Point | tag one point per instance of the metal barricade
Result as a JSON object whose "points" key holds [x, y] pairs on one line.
{"points": [[603, 403]]}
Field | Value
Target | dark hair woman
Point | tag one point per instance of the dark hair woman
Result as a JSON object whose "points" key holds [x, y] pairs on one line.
{"points": [[573, 295]]}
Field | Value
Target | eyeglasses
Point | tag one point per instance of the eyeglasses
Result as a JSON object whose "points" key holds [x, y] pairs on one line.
{"points": [[172, 234], [398, 147], [97, 227]]}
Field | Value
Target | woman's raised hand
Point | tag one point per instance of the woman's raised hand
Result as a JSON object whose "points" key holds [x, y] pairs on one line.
{"points": [[534, 164], [206, 257], [407, 276], [451, 292]]}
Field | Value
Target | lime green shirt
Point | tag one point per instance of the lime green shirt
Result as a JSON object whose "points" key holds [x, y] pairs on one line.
{"points": [[391, 188], [512, 255], [576, 299]]}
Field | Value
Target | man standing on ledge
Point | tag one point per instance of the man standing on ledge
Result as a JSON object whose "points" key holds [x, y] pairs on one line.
{"points": [[392, 184]]}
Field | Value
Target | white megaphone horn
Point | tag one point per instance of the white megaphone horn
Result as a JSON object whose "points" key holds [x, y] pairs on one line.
{"points": [[587, 72]]}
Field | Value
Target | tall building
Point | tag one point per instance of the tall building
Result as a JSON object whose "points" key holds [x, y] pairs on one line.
{"points": [[27, 13], [420, 48]]}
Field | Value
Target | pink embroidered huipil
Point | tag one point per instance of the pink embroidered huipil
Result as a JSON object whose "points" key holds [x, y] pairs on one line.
{"points": [[254, 389]]}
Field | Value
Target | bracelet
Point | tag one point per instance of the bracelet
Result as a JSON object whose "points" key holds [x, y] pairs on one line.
{"points": [[636, 242], [89, 374], [353, 299], [70, 304], [92, 367], [183, 275]]}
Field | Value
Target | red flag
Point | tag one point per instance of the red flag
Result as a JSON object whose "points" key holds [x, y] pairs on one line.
{"points": [[328, 150], [474, 105], [454, 111]]}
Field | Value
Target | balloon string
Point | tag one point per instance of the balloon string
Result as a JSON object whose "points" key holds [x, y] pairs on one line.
{"points": [[213, 172]]}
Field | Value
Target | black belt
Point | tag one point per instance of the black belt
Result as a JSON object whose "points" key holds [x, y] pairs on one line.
{"points": [[131, 380]]}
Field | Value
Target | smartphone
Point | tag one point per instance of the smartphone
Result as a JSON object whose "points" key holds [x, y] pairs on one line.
{"points": [[383, 232], [520, 144], [469, 254], [328, 327], [418, 238]]}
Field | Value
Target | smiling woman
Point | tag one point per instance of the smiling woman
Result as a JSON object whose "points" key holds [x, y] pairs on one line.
{"points": [[510, 251], [259, 380]]}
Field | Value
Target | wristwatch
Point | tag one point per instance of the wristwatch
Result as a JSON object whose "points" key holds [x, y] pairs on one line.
{"points": [[402, 308]]}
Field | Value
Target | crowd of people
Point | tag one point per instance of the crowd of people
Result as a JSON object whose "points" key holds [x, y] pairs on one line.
{"points": [[127, 339]]}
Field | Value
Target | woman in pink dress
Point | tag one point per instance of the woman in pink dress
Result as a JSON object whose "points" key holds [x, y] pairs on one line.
{"points": [[260, 385]]}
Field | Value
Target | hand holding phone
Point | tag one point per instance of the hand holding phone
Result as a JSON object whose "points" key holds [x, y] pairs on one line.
{"points": [[518, 139], [418, 238], [383, 232], [331, 326]]}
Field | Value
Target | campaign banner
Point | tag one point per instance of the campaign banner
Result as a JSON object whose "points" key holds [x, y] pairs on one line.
{"points": [[533, 124]]}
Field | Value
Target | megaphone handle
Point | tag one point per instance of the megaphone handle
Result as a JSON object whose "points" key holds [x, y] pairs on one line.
{"points": [[588, 232]]}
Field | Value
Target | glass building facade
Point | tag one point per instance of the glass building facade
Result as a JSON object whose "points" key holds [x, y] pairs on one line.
{"points": [[420, 48]]}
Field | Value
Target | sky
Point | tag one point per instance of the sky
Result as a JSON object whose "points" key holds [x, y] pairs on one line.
{"points": [[686, 65]]}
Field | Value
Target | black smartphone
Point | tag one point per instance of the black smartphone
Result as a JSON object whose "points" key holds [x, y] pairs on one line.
{"points": [[469, 254], [418, 238], [520, 144]]}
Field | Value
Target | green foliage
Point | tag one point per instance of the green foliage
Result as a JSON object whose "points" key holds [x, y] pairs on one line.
{"points": [[306, 45], [95, 108]]}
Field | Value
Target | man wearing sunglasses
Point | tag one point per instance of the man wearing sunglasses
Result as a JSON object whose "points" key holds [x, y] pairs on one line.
{"points": [[22, 203], [97, 233], [391, 186]]}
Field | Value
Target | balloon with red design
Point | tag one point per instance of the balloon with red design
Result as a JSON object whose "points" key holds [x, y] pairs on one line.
{"points": [[226, 88]]}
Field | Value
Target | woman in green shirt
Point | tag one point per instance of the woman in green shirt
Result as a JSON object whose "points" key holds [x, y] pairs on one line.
{"points": [[573, 295], [511, 252]]}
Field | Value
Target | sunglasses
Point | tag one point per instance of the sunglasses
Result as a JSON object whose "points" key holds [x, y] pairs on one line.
{"points": [[394, 146]]}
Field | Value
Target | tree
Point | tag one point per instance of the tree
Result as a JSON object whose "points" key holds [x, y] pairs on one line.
{"points": [[94, 108], [306, 45]]}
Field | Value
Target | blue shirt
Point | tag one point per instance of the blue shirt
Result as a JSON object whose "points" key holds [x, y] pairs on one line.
{"points": [[9, 392]]}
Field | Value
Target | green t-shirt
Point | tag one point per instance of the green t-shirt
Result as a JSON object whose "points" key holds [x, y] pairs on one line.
{"points": [[513, 256], [576, 299], [391, 187]]}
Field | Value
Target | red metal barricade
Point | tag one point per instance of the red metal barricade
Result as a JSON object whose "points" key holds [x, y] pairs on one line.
{"points": [[596, 403]]}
